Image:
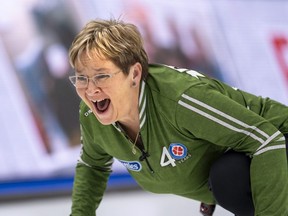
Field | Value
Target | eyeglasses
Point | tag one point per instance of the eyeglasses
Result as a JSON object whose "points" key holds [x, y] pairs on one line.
{"points": [[80, 81]]}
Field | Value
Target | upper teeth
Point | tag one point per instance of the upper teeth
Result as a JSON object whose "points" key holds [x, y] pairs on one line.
{"points": [[97, 100]]}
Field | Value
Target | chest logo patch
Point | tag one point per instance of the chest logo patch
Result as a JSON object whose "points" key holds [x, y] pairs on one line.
{"points": [[177, 151], [132, 165]]}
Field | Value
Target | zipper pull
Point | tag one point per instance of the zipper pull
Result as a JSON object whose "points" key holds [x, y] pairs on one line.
{"points": [[145, 156]]}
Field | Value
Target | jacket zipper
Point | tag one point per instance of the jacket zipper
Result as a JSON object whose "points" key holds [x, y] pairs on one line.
{"points": [[140, 146], [145, 156]]}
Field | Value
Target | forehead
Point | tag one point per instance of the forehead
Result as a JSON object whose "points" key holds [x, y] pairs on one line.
{"points": [[93, 62]]}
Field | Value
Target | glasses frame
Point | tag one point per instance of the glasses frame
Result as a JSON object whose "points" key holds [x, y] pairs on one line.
{"points": [[93, 78]]}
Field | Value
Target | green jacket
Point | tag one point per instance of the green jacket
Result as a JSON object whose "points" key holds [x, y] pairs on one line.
{"points": [[187, 122]]}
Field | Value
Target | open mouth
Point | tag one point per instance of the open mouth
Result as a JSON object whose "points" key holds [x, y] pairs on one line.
{"points": [[102, 106]]}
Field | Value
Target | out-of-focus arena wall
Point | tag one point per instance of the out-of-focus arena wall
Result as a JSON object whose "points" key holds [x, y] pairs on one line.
{"points": [[251, 46]]}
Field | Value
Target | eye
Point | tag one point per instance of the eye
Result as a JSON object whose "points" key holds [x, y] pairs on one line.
{"points": [[81, 79], [101, 77]]}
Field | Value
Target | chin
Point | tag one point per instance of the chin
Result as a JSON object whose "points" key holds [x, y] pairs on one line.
{"points": [[102, 120], [105, 122]]}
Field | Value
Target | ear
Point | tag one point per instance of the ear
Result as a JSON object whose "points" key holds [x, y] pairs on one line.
{"points": [[136, 73]]}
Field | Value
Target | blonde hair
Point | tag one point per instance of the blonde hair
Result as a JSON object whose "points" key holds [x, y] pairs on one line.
{"points": [[112, 39]]}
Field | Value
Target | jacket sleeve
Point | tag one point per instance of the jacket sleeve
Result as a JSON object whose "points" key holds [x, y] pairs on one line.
{"points": [[91, 176], [213, 116]]}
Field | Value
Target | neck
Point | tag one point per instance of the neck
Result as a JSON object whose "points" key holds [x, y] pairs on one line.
{"points": [[130, 123], [132, 129]]}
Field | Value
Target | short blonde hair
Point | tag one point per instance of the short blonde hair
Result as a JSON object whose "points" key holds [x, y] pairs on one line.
{"points": [[112, 39]]}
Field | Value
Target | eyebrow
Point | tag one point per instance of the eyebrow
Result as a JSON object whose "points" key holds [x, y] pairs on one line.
{"points": [[99, 70]]}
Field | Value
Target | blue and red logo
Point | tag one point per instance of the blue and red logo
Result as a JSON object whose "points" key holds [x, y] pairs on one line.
{"points": [[177, 151]]}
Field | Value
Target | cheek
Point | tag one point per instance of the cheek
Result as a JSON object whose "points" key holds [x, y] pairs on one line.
{"points": [[117, 100], [122, 100]]}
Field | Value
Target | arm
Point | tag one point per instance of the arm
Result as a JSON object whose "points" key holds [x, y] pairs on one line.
{"points": [[215, 117], [92, 173]]}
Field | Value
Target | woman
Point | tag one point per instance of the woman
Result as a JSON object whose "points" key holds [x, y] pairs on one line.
{"points": [[175, 130]]}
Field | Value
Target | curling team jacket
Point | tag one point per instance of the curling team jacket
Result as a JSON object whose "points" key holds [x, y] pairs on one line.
{"points": [[187, 121]]}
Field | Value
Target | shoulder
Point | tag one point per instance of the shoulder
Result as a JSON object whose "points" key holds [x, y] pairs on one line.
{"points": [[84, 110], [172, 73], [87, 118], [168, 82], [92, 130]]}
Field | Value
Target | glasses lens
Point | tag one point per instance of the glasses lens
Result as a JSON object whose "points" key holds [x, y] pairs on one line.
{"points": [[82, 81], [79, 81], [100, 78]]}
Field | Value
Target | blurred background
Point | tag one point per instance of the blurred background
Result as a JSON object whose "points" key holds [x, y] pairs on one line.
{"points": [[243, 43]]}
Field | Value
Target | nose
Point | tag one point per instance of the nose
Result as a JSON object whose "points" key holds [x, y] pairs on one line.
{"points": [[92, 89]]}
